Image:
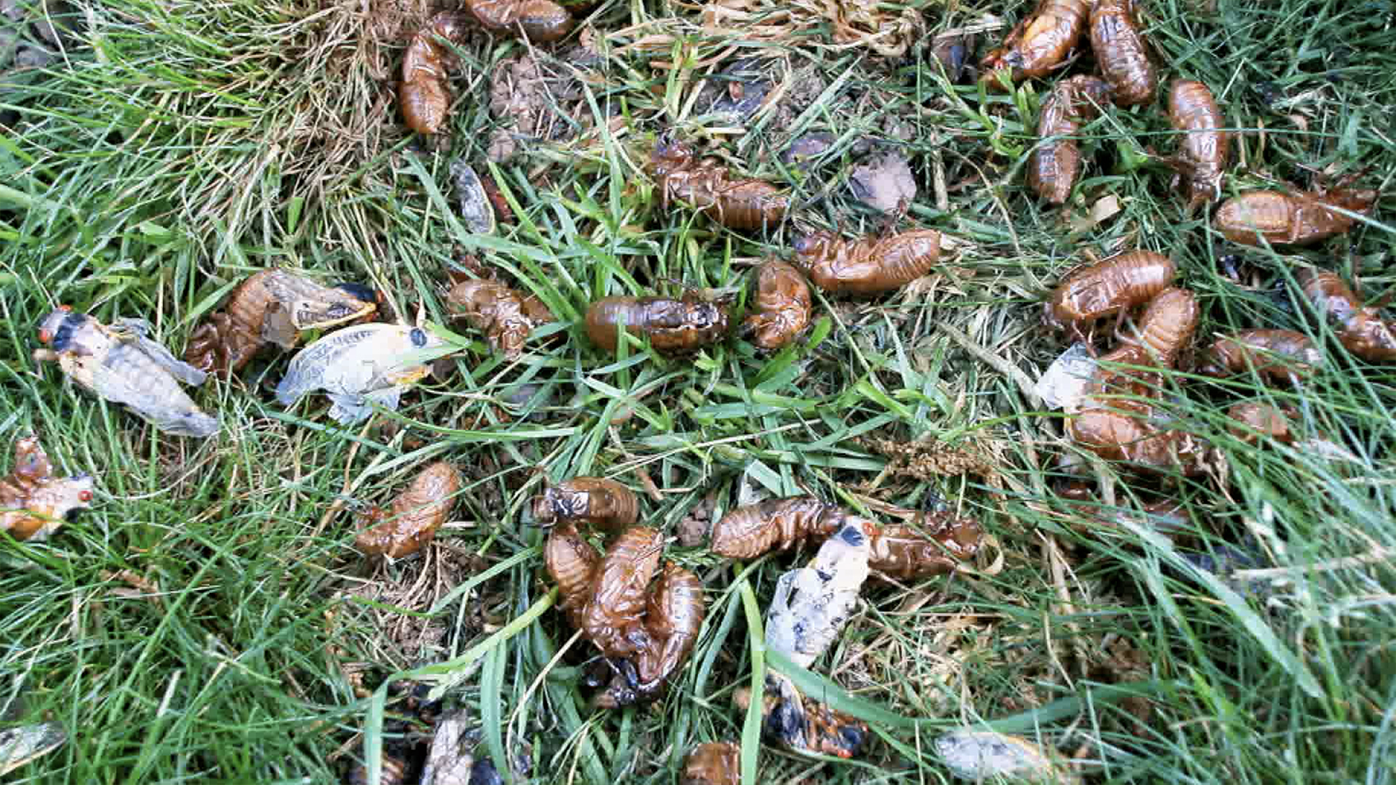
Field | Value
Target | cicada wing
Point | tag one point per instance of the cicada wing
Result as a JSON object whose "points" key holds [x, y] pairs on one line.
{"points": [[136, 334], [151, 394], [279, 327]]}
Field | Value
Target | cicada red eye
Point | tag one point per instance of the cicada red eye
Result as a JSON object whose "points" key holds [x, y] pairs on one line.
{"points": [[85, 496], [45, 336]]}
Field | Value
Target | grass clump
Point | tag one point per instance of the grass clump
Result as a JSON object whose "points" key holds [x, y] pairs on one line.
{"points": [[208, 619]]}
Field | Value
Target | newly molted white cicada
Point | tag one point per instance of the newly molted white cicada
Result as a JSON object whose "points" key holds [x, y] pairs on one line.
{"points": [[122, 364], [358, 367]]}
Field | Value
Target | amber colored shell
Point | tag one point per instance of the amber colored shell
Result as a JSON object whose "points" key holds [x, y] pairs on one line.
{"points": [[749, 531], [782, 306], [415, 516], [869, 265], [594, 500], [672, 326], [1040, 42], [1118, 283]]}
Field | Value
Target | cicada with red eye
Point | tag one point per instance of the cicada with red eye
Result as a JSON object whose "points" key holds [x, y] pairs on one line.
{"points": [[33, 502]]}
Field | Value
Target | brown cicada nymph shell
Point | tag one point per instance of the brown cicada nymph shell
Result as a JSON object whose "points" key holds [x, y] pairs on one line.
{"points": [[415, 516], [272, 306]]}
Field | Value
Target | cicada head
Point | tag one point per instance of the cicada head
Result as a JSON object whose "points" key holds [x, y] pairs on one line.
{"points": [[56, 330]]}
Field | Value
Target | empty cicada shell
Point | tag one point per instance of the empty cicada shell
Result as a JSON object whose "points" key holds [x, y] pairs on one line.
{"points": [[869, 265], [572, 564], [1121, 53], [782, 306], [542, 21], [1293, 218], [33, 502], [749, 531], [502, 314], [423, 94], [1261, 420], [1128, 436], [1278, 356], [357, 367], [812, 604], [672, 326], [415, 516], [1040, 42], [1109, 287], [710, 187], [612, 616], [673, 616], [272, 306], [121, 364], [714, 763], [595, 500], [1202, 154], [1168, 323], [944, 542], [1360, 328], [1055, 163]]}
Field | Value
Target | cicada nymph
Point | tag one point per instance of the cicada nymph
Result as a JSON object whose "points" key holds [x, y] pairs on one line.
{"points": [[415, 516], [1056, 162], [272, 306], [869, 265], [358, 367], [1110, 287], [600, 502], [749, 531], [1202, 154], [121, 364], [944, 542], [1360, 328], [781, 308], [1277, 356], [1121, 52], [33, 502], [542, 21], [1290, 218], [672, 326], [612, 617], [711, 188], [423, 95], [674, 614], [1040, 42], [502, 314]]}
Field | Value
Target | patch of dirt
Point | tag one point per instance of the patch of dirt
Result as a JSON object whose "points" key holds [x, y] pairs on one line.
{"points": [[417, 584], [928, 459], [694, 528], [529, 101]]}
